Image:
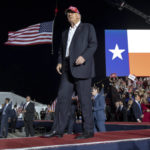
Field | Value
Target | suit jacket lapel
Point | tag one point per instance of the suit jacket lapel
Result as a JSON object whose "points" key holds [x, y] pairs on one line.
{"points": [[76, 33]]}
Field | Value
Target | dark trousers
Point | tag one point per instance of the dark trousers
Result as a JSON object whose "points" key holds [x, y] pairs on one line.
{"points": [[28, 123], [13, 124], [64, 99], [71, 119], [4, 126]]}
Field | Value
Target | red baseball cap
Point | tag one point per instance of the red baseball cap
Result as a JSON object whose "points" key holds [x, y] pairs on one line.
{"points": [[72, 9]]}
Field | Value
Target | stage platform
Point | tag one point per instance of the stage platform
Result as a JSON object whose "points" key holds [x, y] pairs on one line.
{"points": [[115, 140], [110, 126], [119, 126]]}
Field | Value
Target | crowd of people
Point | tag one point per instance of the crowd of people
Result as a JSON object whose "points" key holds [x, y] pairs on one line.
{"points": [[44, 114], [128, 100], [125, 100]]}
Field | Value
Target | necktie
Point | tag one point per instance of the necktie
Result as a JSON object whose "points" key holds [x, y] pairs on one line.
{"points": [[140, 107]]}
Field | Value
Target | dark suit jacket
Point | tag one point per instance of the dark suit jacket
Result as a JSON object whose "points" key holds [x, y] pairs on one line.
{"points": [[136, 111], [121, 115], [84, 43], [8, 110], [14, 114], [99, 106], [29, 114]]}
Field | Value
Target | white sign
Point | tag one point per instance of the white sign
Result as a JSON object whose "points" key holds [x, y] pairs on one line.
{"points": [[132, 77]]}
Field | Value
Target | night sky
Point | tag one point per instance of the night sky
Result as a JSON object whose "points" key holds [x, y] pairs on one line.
{"points": [[30, 70]]}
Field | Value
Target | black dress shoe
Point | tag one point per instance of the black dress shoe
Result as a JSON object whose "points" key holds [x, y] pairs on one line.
{"points": [[85, 136], [53, 134]]}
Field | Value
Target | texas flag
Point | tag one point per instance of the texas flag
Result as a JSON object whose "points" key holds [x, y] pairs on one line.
{"points": [[127, 52]]}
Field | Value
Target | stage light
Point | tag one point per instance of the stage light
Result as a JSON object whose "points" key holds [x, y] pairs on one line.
{"points": [[121, 4]]}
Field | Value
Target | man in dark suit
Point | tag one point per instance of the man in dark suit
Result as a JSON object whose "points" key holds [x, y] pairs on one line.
{"points": [[136, 108], [5, 118], [99, 109], [122, 112], [76, 66], [14, 117], [29, 116]]}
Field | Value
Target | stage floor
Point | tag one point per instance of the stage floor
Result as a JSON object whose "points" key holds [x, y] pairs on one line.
{"points": [[110, 126], [69, 142]]}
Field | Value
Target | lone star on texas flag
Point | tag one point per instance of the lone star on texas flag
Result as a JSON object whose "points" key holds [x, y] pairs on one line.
{"points": [[117, 52]]}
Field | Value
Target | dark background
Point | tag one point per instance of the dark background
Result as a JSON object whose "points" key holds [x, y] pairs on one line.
{"points": [[30, 70]]}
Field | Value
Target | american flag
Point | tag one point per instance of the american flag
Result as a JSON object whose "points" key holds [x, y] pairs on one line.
{"points": [[40, 33], [53, 105]]}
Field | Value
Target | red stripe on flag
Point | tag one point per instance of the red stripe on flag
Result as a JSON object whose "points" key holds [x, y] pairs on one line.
{"points": [[30, 43], [22, 36]]}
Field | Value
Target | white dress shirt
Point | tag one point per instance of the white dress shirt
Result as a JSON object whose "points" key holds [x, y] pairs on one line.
{"points": [[70, 36], [26, 104]]}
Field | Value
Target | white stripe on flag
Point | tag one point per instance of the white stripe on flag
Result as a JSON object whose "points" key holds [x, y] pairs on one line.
{"points": [[138, 41], [28, 39]]}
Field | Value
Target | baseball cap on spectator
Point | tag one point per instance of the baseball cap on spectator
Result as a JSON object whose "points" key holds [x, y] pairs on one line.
{"points": [[72, 9], [113, 75]]}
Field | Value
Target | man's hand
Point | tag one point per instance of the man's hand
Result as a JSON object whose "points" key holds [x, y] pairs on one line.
{"points": [[58, 68], [80, 60], [147, 110]]}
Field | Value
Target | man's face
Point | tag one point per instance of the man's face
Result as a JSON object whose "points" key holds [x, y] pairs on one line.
{"points": [[6, 101], [138, 98], [72, 17], [28, 98], [94, 92]]}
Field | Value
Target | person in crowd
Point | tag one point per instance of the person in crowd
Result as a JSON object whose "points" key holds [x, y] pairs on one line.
{"points": [[42, 114], [29, 111], [1, 111], [115, 97], [20, 111], [130, 110], [148, 92], [117, 111], [137, 110], [20, 115], [36, 115], [5, 118], [76, 65], [72, 117], [48, 113], [14, 117], [99, 109], [146, 109], [122, 112]]}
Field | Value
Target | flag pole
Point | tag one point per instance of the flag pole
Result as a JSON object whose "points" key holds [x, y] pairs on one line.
{"points": [[56, 11]]}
